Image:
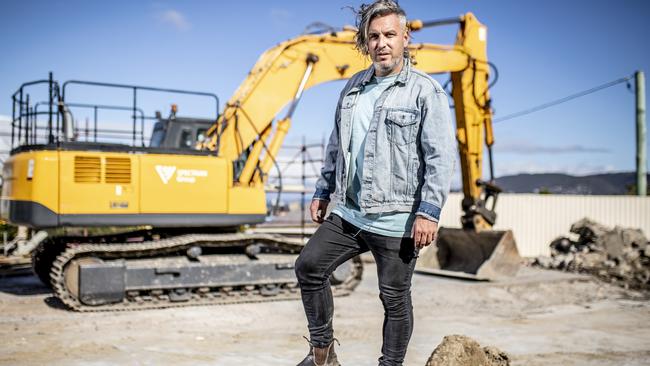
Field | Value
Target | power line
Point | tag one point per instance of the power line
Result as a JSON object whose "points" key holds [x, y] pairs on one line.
{"points": [[563, 100]]}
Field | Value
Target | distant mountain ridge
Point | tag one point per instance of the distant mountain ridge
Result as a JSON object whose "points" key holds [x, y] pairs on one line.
{"points": [[555, 183]]}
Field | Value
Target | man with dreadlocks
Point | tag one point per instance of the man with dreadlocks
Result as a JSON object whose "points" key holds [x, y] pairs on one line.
{"points": [[388, 168]]}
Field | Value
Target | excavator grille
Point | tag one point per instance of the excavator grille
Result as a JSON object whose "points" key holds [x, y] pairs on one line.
{"points": [[118, 170], [87, 169]]}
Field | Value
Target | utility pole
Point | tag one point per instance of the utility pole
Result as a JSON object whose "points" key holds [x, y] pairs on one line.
{"points": [[641, 180]]}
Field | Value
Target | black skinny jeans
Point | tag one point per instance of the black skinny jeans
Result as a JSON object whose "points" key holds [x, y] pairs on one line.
{"points": [[335, 242]]}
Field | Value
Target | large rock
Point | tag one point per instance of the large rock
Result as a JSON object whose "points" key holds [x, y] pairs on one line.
{"points": [[612, 242], [588, 229], [460, 350], [561, 245], [634, 238], [593, 260]]}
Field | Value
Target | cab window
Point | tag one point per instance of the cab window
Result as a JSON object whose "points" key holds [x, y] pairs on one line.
{"points": [[186, 139]]}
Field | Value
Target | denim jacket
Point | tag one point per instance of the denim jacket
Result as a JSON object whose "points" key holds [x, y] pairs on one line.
{"points": [[410, 150]]}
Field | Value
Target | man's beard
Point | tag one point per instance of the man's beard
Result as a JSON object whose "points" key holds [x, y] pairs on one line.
{"points": [[384, 68]]}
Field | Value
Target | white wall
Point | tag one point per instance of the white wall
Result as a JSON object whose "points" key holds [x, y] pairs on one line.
{"points": [[537, 219]]}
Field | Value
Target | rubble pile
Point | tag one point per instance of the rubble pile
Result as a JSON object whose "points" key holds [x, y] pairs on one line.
{"points": [[618, 255], [459, 350]]}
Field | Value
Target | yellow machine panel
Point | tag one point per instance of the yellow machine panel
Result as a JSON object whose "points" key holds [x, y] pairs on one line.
{"points": [[32, 177], [249, 200], [99, 183], [51, 188], [183, 184]]}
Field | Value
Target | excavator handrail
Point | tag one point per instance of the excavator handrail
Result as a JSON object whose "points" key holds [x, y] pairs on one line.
{"points": [[142, 87]]}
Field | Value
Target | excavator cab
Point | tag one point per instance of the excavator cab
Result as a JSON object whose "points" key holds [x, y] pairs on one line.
{"points": [[179, 132]]}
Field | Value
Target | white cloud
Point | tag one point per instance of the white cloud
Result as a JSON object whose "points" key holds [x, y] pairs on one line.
{"points": [[174, 18], [521, 148]]}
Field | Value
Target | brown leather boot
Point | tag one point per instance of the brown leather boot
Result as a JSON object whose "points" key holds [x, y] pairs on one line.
{"points": [[320, 356]]}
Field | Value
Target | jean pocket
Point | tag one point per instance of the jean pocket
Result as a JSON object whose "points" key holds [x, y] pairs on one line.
{"points": [[401, 125]]}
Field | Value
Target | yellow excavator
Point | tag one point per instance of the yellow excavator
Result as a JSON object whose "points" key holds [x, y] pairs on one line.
{"points": [[165, 224]]}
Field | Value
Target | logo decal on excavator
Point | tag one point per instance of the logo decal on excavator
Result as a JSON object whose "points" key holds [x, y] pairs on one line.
{"points": [[165, 172]]}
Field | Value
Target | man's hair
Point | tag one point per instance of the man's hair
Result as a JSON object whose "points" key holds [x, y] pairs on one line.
{"points": [[368, 12]]}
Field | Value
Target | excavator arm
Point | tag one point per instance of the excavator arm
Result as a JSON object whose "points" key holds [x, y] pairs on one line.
{"points": [[470, 74]]}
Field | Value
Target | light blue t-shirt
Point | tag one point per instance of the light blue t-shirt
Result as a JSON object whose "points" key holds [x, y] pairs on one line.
{"points": [[396, 224]]}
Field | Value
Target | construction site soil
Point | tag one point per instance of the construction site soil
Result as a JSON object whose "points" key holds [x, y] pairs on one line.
{"points": [[540, 317]]}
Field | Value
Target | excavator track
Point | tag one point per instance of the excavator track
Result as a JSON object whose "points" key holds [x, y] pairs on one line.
{"points": [[63, 281]]}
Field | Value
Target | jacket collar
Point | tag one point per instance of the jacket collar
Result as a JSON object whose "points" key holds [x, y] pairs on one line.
{"points": [[401, 77], [406, 70]]}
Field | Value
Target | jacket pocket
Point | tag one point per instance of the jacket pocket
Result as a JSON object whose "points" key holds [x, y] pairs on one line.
{"points": [[401, 125]]}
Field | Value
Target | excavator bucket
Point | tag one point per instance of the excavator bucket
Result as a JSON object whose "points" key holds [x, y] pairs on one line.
{"points": [[487, 255]]}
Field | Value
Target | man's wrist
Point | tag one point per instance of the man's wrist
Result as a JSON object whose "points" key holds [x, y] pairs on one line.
{"points": [[321, 194], [428, 211]]}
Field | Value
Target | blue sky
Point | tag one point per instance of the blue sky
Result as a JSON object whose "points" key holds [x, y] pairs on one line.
{"points": [[544, 50]]}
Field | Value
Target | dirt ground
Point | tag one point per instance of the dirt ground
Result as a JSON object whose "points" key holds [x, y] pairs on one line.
{"points": [[540, 317]]}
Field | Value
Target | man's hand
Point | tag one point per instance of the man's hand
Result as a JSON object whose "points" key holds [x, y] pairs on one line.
{"points": [[318, 209], [424, 231]]}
